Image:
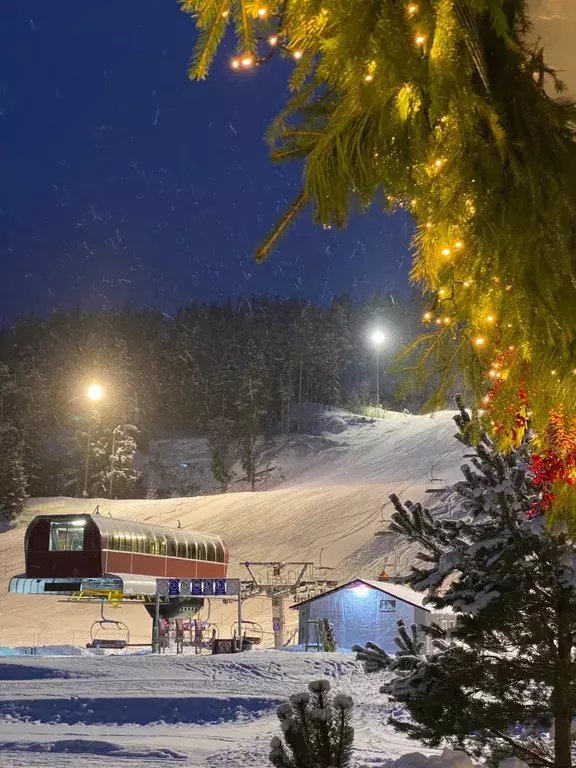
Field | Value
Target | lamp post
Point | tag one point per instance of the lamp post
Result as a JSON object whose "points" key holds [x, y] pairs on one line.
{"points": [[377, 339], [94, 393]]}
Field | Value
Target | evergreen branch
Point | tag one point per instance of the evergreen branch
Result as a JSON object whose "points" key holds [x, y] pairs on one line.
{"points": [[538, 759], [245, 33], [264, 250], [211, 34]]}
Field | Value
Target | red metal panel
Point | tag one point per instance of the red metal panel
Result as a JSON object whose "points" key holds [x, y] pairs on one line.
{"points": [[119, 562], [178, 568], [46, 565], [148, 565], [211, 570]]}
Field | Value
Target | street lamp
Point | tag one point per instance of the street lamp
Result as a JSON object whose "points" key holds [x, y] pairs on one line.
{"points": [[378, 338], [94, 393]]}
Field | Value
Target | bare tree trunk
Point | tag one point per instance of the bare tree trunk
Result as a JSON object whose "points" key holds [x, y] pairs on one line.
{"points": [[562, 685]]}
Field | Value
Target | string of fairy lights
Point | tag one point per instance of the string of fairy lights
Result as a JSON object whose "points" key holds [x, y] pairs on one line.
{"points": [[247, 60], [496, 371]]}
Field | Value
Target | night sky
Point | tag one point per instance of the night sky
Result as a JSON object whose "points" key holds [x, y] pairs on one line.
{"points": [[122, 181]]}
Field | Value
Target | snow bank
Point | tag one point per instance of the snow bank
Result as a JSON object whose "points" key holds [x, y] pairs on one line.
{"points": [[87, 747], [447, 759]]}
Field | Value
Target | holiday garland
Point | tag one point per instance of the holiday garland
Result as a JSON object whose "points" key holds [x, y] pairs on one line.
{"points": [[442, 108]]}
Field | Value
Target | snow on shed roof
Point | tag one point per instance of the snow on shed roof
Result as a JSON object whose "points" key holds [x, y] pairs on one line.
{"points": [[405, 594]]}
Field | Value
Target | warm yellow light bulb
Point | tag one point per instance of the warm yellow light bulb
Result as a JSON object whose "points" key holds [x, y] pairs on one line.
{"points": [[420, 40], [446, 320], [552, 373], [262, 12], [273, 40], [225, 14], [459, 244], [408, 88], [492, 373], [369, 78], [297, 54], [438, 321], [466, 283], [446, 252], [427, 316], [234, 63], [95, 392], [247, 62], [479, 341], [429, 225], [486, 399], [441, 292], [490, 319], [412, 9]]}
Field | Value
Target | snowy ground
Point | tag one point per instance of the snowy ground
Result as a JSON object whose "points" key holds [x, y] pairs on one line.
{"points": [[330, 497], [216, 711]]}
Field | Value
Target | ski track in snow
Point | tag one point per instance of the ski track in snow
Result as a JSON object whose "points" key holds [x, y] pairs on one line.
{"points": [[217, 711]]}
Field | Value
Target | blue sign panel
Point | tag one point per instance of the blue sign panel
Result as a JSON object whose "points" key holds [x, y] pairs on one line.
{"points": [[174, 588], [220, 587], [208, 586], [196, 587]]}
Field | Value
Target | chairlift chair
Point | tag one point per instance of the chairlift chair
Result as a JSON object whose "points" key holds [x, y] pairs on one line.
{"points": [[103, 625], [432, 480]]}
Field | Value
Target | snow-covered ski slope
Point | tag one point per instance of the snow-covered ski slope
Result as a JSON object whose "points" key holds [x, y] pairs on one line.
{"points": [[330, 497]]}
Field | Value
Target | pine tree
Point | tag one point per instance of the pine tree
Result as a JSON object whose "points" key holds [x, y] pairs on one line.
{"points": [[316, 728], [220, 432], [102, 459], [506, 672], [122, 475], [13, 480]]}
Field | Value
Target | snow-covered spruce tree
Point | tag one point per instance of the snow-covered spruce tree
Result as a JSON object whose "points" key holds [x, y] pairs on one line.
{"points": [[13, 479], [122, 475], [316, 728], [507, 671]]}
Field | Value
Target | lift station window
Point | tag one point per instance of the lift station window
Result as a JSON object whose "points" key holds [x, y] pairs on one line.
{"points": [[67, 535]]}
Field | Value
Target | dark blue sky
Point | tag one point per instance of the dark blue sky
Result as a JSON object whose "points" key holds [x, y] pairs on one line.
{"points": [[121, 180]]}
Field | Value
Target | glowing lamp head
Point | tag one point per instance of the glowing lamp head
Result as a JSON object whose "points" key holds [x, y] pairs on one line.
{"points": [[360, 590], [378, 337], [95, 392]]}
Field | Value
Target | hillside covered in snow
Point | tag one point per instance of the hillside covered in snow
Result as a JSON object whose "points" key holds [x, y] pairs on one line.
{"points": [[326, 496]]}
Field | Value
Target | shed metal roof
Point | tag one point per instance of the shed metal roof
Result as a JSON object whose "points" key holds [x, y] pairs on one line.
{"points": [[397, 591]]}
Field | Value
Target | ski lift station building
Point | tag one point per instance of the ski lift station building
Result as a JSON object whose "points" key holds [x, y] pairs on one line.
{"points": [[363, 610]]}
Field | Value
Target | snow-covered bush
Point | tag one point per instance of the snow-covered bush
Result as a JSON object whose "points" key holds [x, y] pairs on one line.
{"points": [[316, 729]]}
